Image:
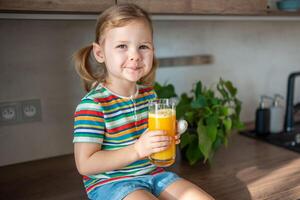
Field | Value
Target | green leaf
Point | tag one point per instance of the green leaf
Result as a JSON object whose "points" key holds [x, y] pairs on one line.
{"points": [[200, 102], [215, 101], [227, 124], [165, 91], [204, 139], [198, 90], [210, 94], [212, 120], [189, 117], [183, 106], [224, 111], [193, 154], [185, 100], [218, 142], [207, 111], [222, 90], [230, 88], [157, 86], [212, 132], [185, 140]]}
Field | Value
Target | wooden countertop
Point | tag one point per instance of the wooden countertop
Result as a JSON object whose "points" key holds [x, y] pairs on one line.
{"points": [[247, 169]]}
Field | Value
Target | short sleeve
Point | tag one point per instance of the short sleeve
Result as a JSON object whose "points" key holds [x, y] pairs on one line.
{"points": [[88, 122], [155, 95]]}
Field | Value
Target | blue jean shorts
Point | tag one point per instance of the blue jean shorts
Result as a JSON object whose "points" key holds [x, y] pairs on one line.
{"points": [[154, 184]]}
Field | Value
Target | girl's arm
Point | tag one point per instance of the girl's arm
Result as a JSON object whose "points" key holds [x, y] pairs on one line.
{"points": [[90, 159]]}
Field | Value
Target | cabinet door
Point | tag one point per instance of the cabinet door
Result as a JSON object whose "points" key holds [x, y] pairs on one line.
{"points": [[213, 7], [77, 6]]}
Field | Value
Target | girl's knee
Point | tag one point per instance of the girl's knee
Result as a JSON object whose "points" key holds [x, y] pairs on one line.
{"points": [[140, 194], [184, 190]]}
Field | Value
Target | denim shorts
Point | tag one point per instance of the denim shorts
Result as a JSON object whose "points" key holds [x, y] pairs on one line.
{"points": [[154, 184]]}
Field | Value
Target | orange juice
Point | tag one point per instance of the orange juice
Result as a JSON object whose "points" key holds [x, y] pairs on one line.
{"points": [[164, 119]]}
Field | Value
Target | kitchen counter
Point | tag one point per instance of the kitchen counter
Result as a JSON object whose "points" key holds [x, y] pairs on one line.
{"points": [[247, 169]]}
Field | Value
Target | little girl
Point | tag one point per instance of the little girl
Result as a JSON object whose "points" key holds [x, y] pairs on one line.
{"points": [[111, 140]]}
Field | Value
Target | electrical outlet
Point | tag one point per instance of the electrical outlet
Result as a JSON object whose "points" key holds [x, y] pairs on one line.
{"points": [[31, 110], [20, 112], [9, 113]]}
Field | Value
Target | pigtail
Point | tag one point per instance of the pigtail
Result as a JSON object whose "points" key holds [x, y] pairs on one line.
{"points": [[84, 68]]}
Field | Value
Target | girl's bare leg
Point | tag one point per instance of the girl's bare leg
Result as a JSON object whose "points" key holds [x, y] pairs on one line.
{"points": [[140, 195], [184, 190]]}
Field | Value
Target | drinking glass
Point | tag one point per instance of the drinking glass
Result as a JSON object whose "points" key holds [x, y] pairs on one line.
{"points": [[162, 116]]}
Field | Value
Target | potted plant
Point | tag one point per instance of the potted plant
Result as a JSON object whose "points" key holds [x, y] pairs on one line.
{"points": [[212, 115]]}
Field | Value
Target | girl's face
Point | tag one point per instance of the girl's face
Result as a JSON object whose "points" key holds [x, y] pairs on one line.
{"points": [[127, 52]]}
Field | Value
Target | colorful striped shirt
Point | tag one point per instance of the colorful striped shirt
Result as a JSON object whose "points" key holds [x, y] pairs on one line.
{"points": [[114, 122]]}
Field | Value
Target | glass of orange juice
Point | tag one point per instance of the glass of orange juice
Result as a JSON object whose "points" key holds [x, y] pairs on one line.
{"points": [[162, 116]]}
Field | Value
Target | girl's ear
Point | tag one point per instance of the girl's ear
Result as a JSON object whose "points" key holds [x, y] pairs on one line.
{"points": [[98, 52]]}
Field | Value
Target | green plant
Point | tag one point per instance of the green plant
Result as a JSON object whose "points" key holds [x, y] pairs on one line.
{"points": [[164, 91], [212, 115]]}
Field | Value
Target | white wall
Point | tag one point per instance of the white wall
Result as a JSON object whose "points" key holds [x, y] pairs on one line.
{"points": [[256, 56], [35, 62]]}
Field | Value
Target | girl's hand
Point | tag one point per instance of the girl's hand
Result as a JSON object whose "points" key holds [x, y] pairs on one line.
{"points": [[182, 125], [151, 142]]}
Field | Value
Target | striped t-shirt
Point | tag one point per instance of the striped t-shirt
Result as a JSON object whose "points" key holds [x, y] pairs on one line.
{"points": [[114, 122]]}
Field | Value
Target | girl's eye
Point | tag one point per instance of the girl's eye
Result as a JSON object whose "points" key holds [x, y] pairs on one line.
{"points": [[144, 47], [121, 46]]}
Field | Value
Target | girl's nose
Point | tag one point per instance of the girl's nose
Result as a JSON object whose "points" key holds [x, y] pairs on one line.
{"points": [[134, 55]]}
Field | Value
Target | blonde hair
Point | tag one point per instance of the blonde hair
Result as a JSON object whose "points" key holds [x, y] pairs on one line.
{"points": [[119, 15]]}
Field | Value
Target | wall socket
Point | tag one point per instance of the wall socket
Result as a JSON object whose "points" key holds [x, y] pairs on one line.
{"points": [[31, 110], [9, 113], [20, 112]]}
